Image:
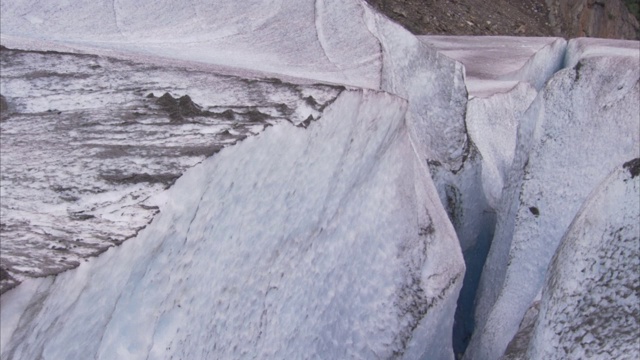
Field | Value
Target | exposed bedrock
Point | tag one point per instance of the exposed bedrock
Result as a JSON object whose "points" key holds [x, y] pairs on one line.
{"points": [[594, 18]]}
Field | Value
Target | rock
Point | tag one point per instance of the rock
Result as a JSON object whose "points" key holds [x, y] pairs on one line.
{"points": [[180, 108], [593, 18], [4, 105]]}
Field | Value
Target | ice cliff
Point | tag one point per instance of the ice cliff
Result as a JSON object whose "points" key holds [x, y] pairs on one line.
{"points": [[295, 244], [368, 167], [589, 307]]}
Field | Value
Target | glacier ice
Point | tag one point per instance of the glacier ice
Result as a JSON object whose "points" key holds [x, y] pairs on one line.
{"points": [[339, 248], [364, 49], [589, 306], [341, 237], [564, 149], [86, 144]]}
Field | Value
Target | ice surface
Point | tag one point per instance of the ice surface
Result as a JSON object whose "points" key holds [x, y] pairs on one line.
{"points": [[340, 248], [502, 76], [495, 64], [344, 42], [578, 129], [590, 307], [326, 239], [84, 146], [583, 48]]}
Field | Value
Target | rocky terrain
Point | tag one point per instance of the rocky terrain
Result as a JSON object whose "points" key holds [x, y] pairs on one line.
{"points": [[565, 18]]}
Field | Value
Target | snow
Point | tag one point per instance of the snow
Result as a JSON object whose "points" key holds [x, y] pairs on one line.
{"points": [[589, 308], [496, 64], [564, 149], [340, 249]]}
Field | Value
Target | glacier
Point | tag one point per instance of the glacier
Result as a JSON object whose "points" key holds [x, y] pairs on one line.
{"points": [[564, 149], [338, 188], [589, 308], [301, 269]]}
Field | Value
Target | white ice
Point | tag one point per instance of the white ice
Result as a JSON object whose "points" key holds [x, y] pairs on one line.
{"points": [[326, 242], [583, 124], [495, 64], [331, 241], [590, 305]]}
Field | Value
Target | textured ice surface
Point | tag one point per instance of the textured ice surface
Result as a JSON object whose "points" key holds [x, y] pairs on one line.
{"points": [[590, 306], [583, 124], [502, 75], [87, 140], [324, 242], [495, 64], [344, 42], [339, 41], [492, 124]]}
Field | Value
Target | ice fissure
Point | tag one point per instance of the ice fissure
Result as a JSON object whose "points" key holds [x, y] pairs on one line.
{"points": [[344, 189]]}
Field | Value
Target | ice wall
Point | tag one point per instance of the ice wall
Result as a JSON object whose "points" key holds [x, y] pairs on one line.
{"points": [[578, 129], [502, 75], [590, 306], [324, 242]]}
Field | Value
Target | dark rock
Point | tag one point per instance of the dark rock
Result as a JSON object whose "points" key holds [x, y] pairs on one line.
{"points": [[594, 18], [633, 166], [227, 114], [4, 105], [256, 116], [166, 179], [306, 122], [180, 108], [534, 210], [188, 107]]}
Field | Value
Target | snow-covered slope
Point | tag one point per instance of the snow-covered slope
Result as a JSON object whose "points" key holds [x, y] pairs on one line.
{"points": [[326, 242], [578, 129]]}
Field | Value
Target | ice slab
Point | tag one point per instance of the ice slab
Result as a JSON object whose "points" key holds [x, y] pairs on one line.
{"points": [[589, 308], [583, 48], [582, 125], [324, 242], [87, 140], [344, 42]]}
